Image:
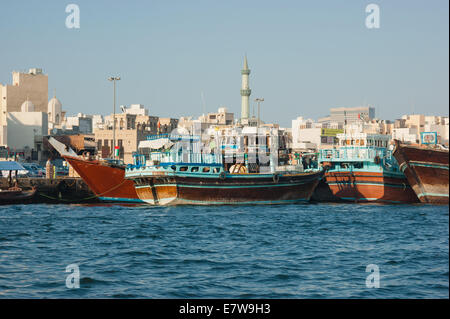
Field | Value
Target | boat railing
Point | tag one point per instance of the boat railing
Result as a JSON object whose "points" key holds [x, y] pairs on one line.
{"points": [[142, 160], [157, 136], [353, 154], [173, 137]]}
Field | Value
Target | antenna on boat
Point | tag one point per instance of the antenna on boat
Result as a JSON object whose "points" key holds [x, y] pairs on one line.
{"points": [[345, 126]]}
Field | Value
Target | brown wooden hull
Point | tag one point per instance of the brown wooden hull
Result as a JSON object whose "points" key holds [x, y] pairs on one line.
{"points": [[8, 197], [233, 189], [107, 182], [358, 186], [426, 170]]}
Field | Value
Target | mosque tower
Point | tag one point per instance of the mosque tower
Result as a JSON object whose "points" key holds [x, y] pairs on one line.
{"points": [[245, 92]]}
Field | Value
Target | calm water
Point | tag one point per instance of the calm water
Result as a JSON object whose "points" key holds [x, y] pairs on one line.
{"points": [[286, 251]]}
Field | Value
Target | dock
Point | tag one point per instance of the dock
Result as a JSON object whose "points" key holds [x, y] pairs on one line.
{"points": [[61, 190]]}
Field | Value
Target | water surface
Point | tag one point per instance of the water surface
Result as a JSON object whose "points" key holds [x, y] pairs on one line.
{"points": [[279, 251]]}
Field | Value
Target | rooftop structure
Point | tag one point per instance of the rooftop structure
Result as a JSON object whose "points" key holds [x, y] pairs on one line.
{"points": [[351, 114]]}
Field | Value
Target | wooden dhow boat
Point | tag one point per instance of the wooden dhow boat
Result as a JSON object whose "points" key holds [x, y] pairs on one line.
{"points": [[426, 168], [361, 168], [207, 182], [366, 174]]}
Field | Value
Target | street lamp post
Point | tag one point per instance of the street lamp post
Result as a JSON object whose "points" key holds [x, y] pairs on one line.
{"points": [[259, 100], [114, 79]]}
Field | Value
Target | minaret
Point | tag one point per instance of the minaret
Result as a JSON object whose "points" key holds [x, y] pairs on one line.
{"points": [[245, 92]]}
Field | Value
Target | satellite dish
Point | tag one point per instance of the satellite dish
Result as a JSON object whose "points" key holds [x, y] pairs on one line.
{"points": [[122, 108]]}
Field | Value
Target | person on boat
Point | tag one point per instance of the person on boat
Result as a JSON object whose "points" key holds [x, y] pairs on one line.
{"points": [[49, 169], [304, 163]]}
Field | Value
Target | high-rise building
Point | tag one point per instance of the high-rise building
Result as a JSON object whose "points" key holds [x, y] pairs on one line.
{"points": [[351, 114]]}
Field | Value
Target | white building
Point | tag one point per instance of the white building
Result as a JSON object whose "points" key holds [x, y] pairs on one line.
{"points": [[405, 134], [97, 121], [137, 109], [22, 127], [55, 111], [31, 85], [81, 123], [308, 135]]}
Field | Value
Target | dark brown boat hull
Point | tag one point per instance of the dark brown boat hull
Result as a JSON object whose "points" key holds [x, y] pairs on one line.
{"points": [[234, 189], [9, 197], [426, 170]]}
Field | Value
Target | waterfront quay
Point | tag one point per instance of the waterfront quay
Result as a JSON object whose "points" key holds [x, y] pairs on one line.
{"points": [[61, 190]]}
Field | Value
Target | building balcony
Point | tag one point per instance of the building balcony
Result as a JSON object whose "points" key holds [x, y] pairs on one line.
{"points": [[246, 92]]}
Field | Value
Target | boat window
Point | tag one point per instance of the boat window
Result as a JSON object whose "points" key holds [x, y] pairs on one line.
{"points": [[206, 169], [358, 165], [183, 168], [216, 170], [173, 167], [194, 169], [344, 165]]}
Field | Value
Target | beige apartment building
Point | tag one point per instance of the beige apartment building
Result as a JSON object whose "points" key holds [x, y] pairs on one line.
{"points": [[166, 125], [416, 121], [221, 117], [32, 86], [419, 123], [126, 139], [130, 130]]}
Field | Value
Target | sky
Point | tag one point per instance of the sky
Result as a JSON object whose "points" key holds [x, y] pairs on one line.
{"points": [[305, 56]]}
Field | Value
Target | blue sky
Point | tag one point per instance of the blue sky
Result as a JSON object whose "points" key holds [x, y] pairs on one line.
{"points": [[305, 56]]}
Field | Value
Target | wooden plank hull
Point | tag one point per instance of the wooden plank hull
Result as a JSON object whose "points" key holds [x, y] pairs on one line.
{"points": [[234, 189], [8, 197], [107, 182], [426, 170], [356, 186]]}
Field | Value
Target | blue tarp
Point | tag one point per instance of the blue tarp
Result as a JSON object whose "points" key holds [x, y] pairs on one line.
{"points": [[10, 166]]}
